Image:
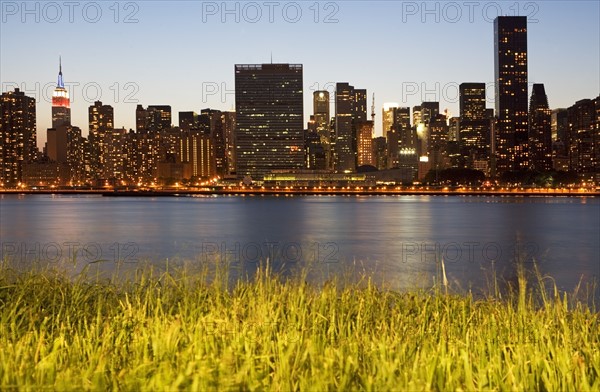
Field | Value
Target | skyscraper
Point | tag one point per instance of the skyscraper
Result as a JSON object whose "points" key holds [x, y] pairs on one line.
{"points": [[188, 120], [321, 109], [510, 58], [196, 151], [437, 141], [218, 139], [101, 126], [401, 124], [387, 116], [428, 111], [321, 117], [422, 116], [159, 117], [154, 118], [269, 118], [61, 105], [364, 143], [229, 132], [474, 127], [380, 153], [141, 119], [345, 159], [540, 130], [18, 141], [58, 136], [584, 136], [350, 113]]}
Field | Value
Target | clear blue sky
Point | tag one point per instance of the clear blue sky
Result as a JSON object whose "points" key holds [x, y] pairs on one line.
{"points": [[183, 53]]}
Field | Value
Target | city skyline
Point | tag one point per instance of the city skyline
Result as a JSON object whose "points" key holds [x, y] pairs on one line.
{"points": [[360, 59]]}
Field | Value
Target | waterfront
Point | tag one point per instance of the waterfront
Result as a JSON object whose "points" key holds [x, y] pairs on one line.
{"points": [[398, 240]]}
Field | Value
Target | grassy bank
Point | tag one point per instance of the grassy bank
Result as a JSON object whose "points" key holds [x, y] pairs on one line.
{"points": [[174, 331]]}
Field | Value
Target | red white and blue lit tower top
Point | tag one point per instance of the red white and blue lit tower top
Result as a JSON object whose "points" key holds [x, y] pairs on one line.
{"points": [[60, 96], [61, 106]]}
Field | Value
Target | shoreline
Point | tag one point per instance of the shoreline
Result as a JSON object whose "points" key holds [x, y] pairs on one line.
{"points": [[303, 192]]}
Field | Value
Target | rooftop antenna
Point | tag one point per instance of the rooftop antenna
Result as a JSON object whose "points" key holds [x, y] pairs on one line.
{"points": [[373, 110], [271, 57]]}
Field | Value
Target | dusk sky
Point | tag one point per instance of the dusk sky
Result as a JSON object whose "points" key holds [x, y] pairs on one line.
{"points": [[183, 54]]}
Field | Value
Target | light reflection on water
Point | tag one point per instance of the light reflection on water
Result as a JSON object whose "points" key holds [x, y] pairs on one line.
{"points": [[399, 240]]}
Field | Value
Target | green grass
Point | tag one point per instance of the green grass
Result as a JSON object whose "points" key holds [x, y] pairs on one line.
{"points": [[169, 331]]}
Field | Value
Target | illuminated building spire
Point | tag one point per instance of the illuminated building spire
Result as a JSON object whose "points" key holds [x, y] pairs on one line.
{"points": [[60, 77], [61, 112]]}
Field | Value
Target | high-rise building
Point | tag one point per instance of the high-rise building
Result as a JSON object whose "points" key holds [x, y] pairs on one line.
{"points": [[344, 108], [141, 156], [188, 120], [321, 109], [60, 136], [422, 116], [401, 124], [438, 141], [197, 152], [428, 111], [56, 144], [141, 119], [152, 119], [321, 117], [18, 140], [559, 124], [540, 130], [380, 155], [61, 105], [364, 143], [402, 139], [315, 153], [216, 121], [113, 165], [584, 136], [350, 113], [387, 116], [510, 57], [159, 117], [101, 126], [416, 118], [269, 118], [229, 132], [474, 128]]}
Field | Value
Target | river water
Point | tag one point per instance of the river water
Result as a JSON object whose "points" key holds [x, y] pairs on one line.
{"points": [[399, 241]]}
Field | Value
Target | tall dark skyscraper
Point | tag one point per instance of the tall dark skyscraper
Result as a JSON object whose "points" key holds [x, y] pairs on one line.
{"points": [[345, 153], [61, 105], [401, 124], [474, 128], [401, 137], [321, 109], [18, 141], [101, 126], [540, 130], [217, 132], [229, 132], [321, 116], [269, 118], [510, 58], [422, 116], [350, 114], [584, 136]]}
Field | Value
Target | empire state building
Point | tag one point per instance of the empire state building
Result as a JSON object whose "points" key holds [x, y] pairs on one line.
{"points": [[61, 106]]}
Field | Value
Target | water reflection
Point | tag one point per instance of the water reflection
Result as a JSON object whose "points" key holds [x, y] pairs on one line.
{"points": [[399, 240]]}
